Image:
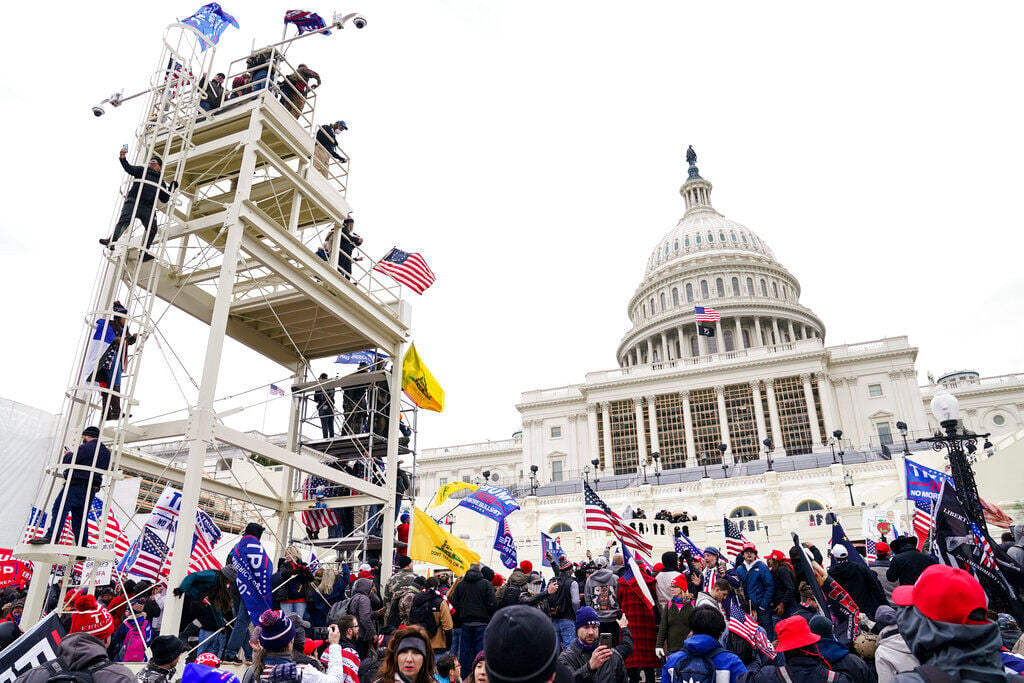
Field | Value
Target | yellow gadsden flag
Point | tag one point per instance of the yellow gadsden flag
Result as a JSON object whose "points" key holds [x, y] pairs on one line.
{"points": [[450, 488], [419, 385], [430, 543]]}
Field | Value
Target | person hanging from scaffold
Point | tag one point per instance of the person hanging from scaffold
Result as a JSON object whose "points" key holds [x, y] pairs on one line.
{"points": [[141, 200]]}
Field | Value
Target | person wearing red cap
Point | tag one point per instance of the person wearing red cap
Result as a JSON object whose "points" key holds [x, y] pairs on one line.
{"points": [[758, 584], [942, 618], [674, 628], [85, 650], [880, 566], [785, 598], [804, 663]]}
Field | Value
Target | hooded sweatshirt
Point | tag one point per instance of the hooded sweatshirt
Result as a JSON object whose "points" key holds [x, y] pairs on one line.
{"points": [[700, 645], [600, 592], [515, 585], [360, 606], [892, 656], [77, 652], [972, 652], [861, 583], [473, 599], [1016, 551]]}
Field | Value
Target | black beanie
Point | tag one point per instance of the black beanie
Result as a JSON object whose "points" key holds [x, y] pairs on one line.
{"points": [[253, 529], [520, 646], [166, 649], [487, 572], [404, 561], [821, 626], [670, 561]]}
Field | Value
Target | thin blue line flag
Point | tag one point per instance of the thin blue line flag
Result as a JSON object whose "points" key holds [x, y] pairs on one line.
{"points": [[210, 20]]}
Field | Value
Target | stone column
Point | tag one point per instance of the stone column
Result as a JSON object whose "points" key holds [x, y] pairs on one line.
{"points": [[719, 336], [691, 449], [702, 341], [641, 434], [812, 412], [896, 380], [650, 350], [592, 432], [684, 345], [757, 332], [606, 429], [773, 415], [738, 339], [827, 413], [723, 423], [858, 427], [775, 329], [664, 349], [792, 334], [762, 432], [652, 417]]}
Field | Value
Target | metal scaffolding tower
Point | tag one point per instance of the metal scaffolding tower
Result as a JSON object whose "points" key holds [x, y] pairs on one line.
{"points": [[236, 250]]}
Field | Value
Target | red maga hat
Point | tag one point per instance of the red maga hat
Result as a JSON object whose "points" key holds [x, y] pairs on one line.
{"points": [[945, 594]]}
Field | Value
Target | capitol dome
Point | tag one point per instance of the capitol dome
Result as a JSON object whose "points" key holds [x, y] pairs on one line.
{"points": [[710, 261]]}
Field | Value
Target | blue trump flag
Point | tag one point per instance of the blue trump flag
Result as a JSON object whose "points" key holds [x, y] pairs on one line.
{"points": [[924, 483], [368, 356], [254, 574], [549, 545], [211, 21], [506, 545], [839, 537], [305, 21], [490, 501]]}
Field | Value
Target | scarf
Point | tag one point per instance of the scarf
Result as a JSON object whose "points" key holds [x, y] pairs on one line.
{"points": [[678, 603], [587, 648]]}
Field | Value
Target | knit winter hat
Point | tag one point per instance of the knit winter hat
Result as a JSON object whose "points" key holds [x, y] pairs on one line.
{"points": [[166, 649], [526, 566], [253, 529], [276, 630], [487, 573], [208, 659], [586, 616], [520, 646], [404, 561], [90, 618]]}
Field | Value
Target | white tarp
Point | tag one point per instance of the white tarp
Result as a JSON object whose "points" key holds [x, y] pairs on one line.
{"points": [[28, 437]]}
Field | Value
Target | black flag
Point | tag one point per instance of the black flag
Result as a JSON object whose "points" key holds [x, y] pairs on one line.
{"points": [[705, 331], [959, 542]]}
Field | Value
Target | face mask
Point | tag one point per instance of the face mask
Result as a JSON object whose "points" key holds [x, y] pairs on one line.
{"points": [[16, 619]]}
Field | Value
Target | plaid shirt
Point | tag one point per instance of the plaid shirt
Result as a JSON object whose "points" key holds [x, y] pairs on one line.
{"points": [[641, 623]]}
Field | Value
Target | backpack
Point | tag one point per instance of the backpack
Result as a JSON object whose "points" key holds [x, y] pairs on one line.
{"points": [[338, 610], [933, 674], [560, 604], [696, 668], [134, 648], [61, 674], [785, 677]]}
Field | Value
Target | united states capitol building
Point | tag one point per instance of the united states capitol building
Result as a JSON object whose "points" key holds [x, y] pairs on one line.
{"points": [[763, 421]]}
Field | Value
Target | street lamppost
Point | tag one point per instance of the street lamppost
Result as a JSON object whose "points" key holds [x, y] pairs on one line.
{"points": [[725, 468], [586, 474], [533, 480], [902, 427], [643, 466], [848, 480], [839, 440], [704, 461], [657, 466], [768, 452], [487, 475], [596, 463], [946, 410]]}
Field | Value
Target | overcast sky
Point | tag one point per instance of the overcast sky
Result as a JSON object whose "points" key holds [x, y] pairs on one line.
{"points": [[533, 151]]}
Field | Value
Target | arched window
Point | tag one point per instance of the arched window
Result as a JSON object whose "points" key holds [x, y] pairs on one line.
{"points": [[666, 250], [689, 292], [559, 527], [753, 240], [652, 302], [785, 292], [712, 344], [711, 237], [645, 310], [743, 236], [727, 336], [746, 339], [720, 287], [809, 506], [721, 236], [733, 235], [742, 511], [675, 296], [686, 241], [663, 307], [676, 246], [704, 294], [694, 345], [750, 286], [775, 289], [697, 237], [735, 286], [764, 291]]}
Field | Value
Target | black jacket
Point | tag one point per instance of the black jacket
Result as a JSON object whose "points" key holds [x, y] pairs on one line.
{"points": [[907, 566], [613, 671], [861, 583], [785, 592], [213, 92], [473, 599], [801, 668], [84, 456], [327, 139], [146, 189]]}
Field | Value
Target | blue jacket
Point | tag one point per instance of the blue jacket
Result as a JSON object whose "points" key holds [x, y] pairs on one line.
{"points": [[758, 585], [700, 645], [318, 608]]}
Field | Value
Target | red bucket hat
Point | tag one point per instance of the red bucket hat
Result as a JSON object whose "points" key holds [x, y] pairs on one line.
{"points": [[793, 633], [945, 594]]}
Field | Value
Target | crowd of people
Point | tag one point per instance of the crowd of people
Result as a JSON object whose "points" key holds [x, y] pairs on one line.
{"points": [[712, 618]]}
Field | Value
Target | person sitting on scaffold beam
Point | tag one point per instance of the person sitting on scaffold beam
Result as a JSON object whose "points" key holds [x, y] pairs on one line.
{"points": [[141, 200]]}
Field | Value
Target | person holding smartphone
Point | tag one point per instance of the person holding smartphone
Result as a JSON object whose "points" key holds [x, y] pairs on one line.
{"points": [[591, 656]]}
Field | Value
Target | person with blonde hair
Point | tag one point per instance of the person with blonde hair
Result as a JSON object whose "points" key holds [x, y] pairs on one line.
{"points": [[291, 581], [328, 589]]}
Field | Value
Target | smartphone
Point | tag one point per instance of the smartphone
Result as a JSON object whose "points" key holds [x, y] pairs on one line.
{"points": [[606, 639], [124, 148]]}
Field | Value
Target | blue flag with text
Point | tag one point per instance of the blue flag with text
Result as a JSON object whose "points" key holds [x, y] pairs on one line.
{"points": [[211, 20], [254, 575], [491, 501]]}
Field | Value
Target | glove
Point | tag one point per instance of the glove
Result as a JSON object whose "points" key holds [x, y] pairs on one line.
{"points": [[178, 592], [659, 653]]}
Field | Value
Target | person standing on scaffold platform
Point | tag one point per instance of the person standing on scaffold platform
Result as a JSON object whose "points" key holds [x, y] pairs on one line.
{"points": [[81, 487], [141, 200]]}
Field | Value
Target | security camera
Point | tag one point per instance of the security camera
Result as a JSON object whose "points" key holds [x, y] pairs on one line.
{"points": [[98, 110], [359, 21]]}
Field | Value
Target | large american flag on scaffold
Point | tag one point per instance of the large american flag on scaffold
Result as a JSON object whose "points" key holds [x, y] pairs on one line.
{"points": [[408, 268], [599, 517], [734, 540], [319, 518]]}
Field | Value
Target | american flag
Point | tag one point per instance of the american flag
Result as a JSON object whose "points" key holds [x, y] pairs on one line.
{"points": [[684, 544], [276, 390], [599, 517], [114, 533], [305, 21], [923, 522], [740, 623], [408, 268], [349, 664], [634, 574], [988, 558], [204, 540], [318, 518], [706, 314], [36, 526], [150, 556], [995, 516], [314, 562], [734, 540], [870, 553]]}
